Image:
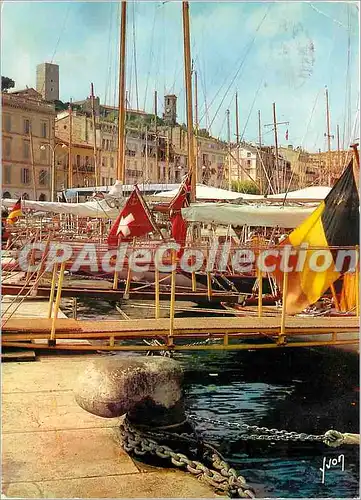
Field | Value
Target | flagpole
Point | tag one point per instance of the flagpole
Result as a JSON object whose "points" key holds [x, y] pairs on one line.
{"points": [[121, 112]]}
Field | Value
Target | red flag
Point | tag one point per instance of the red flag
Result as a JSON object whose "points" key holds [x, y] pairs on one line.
{"points": [[179, 229], [181, 200], [134, 220], [287, 135]]}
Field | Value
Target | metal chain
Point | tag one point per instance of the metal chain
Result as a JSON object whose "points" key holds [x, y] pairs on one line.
{"points": [[222, 477], [262, 433]]}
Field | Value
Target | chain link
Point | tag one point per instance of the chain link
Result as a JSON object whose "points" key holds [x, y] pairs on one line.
{"points": [[222, 477], [261, 433]]}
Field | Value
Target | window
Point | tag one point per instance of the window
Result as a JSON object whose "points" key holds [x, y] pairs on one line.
{"points": [[43, 177], [7, 148], [7, 122], [25, 196], [103, 181], [44, 130], [248, 154], [26, 150], [87, 160], [249, 163], [26, 126], [78, 161], [111, 181], [7, 174], [6, 194], [43, 153], [42, 197], [25, 175]]}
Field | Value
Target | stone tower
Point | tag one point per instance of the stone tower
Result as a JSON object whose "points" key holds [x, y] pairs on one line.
{"points": [[170, 109], [47, 81]]}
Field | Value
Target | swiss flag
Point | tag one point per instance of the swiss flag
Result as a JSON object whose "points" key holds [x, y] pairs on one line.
{"points": [[181, 200], [134, 220]]}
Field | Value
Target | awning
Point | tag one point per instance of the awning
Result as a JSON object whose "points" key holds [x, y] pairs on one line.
{"points": [[250, 215], [98, 208]]}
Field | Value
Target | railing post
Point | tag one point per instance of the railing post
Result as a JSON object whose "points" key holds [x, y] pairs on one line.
{"points": [[52, 340], [209, 286], [75, 308], [129, 274], [281, 337], [260, 288], [157, 301], [115, 280], [172, 298], [52, 290], [357, 278], [194, 282]]}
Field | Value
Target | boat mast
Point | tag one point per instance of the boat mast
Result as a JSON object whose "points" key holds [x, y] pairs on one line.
{"points": [[156, 134], [338, 150], [276, 146], [96, 173], [196, 120], [229, 150], [70, 165], [122, 113], [188, 85], [328, 135], [237, 139]]}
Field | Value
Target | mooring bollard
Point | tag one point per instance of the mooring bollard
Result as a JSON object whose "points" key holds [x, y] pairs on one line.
{"points": [[149, 391]]}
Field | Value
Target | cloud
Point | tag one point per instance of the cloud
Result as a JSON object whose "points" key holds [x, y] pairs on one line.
{"points": [[294, 54]]}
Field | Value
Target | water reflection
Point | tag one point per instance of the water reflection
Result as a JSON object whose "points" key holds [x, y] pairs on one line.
{"points": [[303, 390]]}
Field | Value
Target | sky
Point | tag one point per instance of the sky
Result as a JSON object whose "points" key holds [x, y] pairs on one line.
{"points": [[268, 52]]}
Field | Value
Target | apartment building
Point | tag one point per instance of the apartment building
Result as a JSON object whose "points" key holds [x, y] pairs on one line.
{"points": [[27, 145]]}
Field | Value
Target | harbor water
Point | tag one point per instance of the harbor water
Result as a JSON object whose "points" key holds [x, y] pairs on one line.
{"points": [[309, 390]]}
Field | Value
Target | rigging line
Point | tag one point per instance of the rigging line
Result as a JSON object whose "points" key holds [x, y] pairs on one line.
{"points": [[326, 15], [251, 109], [204, 89], [311, 116], [130, 49], [109, 55], [135, 59], [242, 62], [346, 122], [116, 63], [61, 31], [151, 54]]}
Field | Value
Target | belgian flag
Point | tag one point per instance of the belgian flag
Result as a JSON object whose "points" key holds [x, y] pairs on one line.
{"points": [[335, 223], [15, 212]]}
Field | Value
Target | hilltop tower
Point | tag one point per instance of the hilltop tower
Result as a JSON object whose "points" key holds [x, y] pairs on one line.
{"points": [[47, 81], [170, 109]]}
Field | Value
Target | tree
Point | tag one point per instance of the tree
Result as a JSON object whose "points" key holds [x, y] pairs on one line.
{"points": [[247, 187], [6, 83]]}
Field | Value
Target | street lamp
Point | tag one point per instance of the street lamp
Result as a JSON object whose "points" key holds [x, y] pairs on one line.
{"points": [[53, 149]]}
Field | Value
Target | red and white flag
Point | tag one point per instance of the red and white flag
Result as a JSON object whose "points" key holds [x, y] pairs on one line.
{"points": [[181, 200], [287, 135], [134, 220]]}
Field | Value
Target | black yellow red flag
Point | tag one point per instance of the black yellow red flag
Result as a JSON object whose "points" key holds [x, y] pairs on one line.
{"points": [[335, 223], [15, 213]]}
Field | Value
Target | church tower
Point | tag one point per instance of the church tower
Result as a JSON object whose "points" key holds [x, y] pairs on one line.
{"points": [[170, 109]]}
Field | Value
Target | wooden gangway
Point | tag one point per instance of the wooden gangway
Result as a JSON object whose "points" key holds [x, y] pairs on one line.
{"points": [[186, 333]]}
